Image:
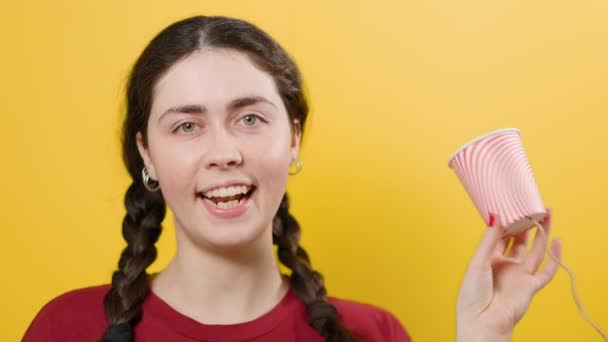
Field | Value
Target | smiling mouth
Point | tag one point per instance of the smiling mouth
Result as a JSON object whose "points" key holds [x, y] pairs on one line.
{"points": [[228, 197]]}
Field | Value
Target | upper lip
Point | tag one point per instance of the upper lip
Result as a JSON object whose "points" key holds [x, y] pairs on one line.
{"points": [[225, 185]]}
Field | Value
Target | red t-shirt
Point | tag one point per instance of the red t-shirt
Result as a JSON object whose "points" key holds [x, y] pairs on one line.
{"points": [[79, 316]]}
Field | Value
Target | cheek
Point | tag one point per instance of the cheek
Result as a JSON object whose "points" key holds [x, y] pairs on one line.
{"points": [[271, 162], [176, 169]]}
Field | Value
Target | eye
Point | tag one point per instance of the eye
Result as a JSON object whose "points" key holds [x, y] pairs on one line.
{"points": [[187, 127], [250, 119]]}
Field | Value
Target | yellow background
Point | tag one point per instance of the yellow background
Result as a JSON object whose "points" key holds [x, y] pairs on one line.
{"points": [[395, 88]]}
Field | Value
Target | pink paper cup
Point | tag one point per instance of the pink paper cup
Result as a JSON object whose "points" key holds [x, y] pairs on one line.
{"points": [[496, 174]]}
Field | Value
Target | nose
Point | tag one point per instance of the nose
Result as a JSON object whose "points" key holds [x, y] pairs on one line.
{"points": [[223, 152]]}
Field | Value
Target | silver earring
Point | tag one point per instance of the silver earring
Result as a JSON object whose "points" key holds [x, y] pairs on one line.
{"points": [[149, 183], [299, 165]]}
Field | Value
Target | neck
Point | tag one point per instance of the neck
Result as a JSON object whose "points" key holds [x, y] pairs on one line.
{"points": [[222, 288]]}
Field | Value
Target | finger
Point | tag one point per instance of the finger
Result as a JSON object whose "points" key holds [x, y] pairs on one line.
{"points": [[503, 244], [489, 242], [520, 245], [545, 275], [537, 253]]}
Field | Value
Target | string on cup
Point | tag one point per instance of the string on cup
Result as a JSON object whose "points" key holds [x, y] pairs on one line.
{"points": [[577, 300]]}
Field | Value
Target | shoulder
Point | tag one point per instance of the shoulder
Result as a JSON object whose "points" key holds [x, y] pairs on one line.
{"points": [[72, 313], [76, 302], [370, 322]]}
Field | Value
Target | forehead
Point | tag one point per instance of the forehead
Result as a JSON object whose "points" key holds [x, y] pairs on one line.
{"points": [[212, 77]]}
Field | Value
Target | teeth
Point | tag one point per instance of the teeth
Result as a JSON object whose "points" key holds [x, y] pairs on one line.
{"points": [[224, 205], [228, 191], [228, 205]]}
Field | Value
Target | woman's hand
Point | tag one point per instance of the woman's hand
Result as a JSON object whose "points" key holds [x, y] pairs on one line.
{"points": [[497, 288]]}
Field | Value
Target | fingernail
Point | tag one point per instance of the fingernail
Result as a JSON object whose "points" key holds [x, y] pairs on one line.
{"points": [[491, 220]]}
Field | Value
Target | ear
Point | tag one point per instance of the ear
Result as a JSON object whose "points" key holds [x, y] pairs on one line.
{"points": [[296, 137], [145, 155]]}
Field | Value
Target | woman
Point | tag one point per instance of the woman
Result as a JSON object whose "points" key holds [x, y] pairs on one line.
{"points": [[215, 116]]}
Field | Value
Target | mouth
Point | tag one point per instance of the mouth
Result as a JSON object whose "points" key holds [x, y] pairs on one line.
{"points": [[228, 197]]}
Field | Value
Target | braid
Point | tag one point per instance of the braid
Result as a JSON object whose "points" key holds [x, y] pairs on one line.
{"points": [[306, 283], [141, 229]]}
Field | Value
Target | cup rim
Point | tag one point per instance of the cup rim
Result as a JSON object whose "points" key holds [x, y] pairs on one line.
{"points": [[481, 137]]}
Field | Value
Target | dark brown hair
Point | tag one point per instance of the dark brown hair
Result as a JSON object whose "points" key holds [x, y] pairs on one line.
{"points": [[146, 210]]}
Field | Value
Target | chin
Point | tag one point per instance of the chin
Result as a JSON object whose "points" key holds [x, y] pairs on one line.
{"points": [[235, 237]]}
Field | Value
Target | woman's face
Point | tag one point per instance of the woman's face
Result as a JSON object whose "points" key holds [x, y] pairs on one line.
{"points": [[220, 144]]}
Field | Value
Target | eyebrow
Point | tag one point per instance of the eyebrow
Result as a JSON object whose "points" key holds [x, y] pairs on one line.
{"points": [[235, 104]]}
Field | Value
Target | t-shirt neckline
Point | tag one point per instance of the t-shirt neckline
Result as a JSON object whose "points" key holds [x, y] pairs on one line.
{"points": [[186, 326]]}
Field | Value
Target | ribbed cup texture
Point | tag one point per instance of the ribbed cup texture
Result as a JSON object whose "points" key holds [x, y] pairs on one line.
{"points": [[496, 174]]}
